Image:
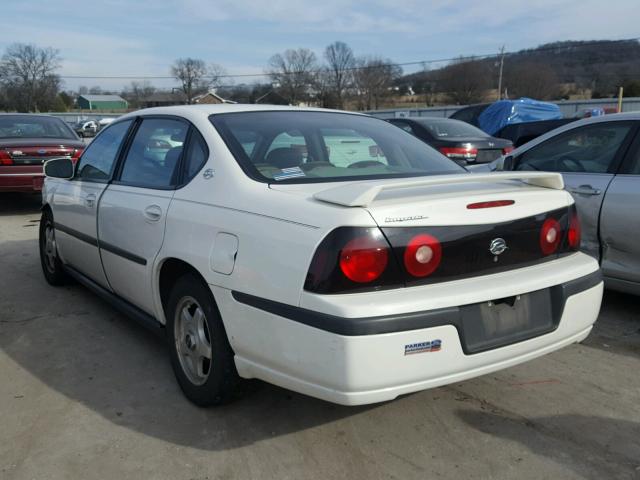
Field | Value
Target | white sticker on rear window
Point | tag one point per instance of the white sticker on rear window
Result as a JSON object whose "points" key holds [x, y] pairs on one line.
{"points": [[291, 172]]}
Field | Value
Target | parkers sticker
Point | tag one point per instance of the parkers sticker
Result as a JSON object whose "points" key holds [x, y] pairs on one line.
{"points": [[423, 347]]}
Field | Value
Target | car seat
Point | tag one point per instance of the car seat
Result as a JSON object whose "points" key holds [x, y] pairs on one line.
{"points": [[285, 157]]}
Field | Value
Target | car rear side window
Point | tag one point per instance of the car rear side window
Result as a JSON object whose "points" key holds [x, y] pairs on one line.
{"points": [[97, 161], [154, 155], [196, 157], [590, 149]]}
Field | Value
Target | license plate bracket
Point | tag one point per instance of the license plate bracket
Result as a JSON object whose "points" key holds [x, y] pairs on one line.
{"points": [[505, 321]]}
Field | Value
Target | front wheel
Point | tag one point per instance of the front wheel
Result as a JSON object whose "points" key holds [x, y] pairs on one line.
{"points": [[201, 356], [51, 265]]}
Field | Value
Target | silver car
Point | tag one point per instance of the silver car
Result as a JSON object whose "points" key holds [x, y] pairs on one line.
{"points": [[599, 159]]}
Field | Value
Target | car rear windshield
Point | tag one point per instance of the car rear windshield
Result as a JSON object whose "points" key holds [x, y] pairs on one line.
{"points": [[19, 126], [452, 129], [304, 146]]}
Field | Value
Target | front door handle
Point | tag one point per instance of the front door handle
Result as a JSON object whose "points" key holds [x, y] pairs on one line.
{"points": [[153, 213], [585, 190], [90, 200]]}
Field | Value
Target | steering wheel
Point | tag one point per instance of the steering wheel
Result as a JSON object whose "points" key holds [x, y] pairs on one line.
{"points": [[366, 163], [572, 161]]}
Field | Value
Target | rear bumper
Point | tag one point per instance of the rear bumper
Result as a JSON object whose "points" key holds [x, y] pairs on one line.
{"points": [[353, 361], [21, 179]]}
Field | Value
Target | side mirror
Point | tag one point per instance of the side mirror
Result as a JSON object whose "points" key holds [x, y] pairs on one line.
{"points": [[59, 168], [505, 164]]}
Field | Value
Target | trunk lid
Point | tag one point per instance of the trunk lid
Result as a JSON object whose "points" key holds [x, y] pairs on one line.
{"points": [[472, 224], [37, 152]]}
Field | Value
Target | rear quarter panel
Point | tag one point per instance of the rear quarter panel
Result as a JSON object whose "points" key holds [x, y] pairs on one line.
{"points": [[619, 229]]}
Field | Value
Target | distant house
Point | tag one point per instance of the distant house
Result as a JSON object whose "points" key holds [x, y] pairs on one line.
{"points": [[164, 99], [102, 102], [210, 98]]}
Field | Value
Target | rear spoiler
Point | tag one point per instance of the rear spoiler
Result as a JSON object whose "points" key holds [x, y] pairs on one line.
{"points": [[362, 194]]}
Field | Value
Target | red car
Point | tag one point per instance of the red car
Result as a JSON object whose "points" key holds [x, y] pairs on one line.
{"points": [[26, 142]]}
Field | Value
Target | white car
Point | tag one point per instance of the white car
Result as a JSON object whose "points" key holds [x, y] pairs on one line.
{"points": [[353, 282]]}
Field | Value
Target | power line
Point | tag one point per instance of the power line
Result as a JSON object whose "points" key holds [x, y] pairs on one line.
{"points": [[382, 65]]}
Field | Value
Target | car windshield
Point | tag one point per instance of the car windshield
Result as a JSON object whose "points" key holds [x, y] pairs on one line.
{"points": [[23, 126], [451, 129], [303, 146]]}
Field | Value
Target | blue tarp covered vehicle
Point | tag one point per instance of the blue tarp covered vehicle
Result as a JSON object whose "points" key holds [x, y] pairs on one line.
{"points": [[509, 112]]}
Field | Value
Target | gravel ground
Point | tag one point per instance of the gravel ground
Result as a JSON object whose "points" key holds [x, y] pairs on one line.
{"points": [[86, 393]]}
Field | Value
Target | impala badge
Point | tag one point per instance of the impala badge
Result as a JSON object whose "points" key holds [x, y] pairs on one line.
{"points": [[496, 247]]}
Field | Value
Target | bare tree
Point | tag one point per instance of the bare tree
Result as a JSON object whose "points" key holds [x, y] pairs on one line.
{"points": [[340, 62], [465, 81], [196, 76], [293, 72], [136, 92], [374, 77], [28, 78], [532, 79]]}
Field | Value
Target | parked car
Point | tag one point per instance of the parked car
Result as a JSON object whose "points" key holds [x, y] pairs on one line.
{"points": [[599, 159], [457, 140], [86, 128], [262, 253], [521, 133], [518, 133], [26, 142], [470, 114]]}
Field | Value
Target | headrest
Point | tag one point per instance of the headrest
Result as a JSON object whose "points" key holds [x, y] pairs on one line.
{"points": [[285, 157]]}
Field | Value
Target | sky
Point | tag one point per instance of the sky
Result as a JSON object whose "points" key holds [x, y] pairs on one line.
{"points": [[139, 38]]}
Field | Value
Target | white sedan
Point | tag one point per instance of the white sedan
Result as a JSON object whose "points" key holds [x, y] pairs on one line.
{"points": [[330, 253]]}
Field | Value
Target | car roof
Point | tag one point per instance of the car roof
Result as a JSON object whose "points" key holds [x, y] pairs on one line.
{"points": [[435, 120], [191, 111], [34, 115]]}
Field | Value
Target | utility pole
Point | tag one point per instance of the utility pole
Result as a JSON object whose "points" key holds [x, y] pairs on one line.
{"points": [[500, 74]]}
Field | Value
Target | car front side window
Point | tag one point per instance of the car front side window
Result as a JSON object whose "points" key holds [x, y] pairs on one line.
{"points": [[590, 149], [97, 161]]}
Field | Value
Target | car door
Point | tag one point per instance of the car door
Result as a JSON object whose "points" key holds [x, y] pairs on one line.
{"points": [[620, 225], [587, 157], [75, 202], [133, 209]]}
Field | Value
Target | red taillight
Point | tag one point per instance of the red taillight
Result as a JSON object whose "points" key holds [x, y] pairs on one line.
{"points": [[507, 150], [459, 152], [550, 236], [5, 158], [575, 232], [490, 204], [422, 255], [76, 154], [363, 259]]}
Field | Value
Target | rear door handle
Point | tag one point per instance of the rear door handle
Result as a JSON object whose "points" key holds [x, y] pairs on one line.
{"points": [[585, 190], [90, 200], [153, 213]]}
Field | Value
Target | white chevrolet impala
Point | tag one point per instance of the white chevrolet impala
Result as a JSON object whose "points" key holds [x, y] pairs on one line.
{"points": [[326, 252]]}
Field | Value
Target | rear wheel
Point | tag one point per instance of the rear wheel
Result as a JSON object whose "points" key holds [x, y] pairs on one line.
{"points": [[201, 356], [51, 265]]}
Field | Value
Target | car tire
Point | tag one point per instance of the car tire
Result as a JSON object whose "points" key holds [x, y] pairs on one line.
{"points": [[49, 259], [201, 356]]}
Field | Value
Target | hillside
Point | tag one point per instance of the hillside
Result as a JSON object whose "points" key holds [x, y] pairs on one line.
{"points": [[597, 66]]}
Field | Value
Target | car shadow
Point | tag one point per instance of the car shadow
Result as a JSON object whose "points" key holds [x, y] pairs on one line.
{"points": [[19, 203], [81, 347], [618, 327], [593, 446]]}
